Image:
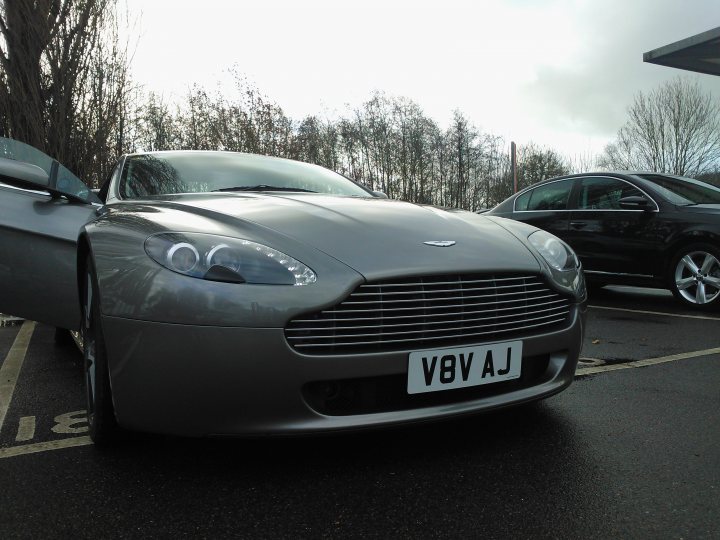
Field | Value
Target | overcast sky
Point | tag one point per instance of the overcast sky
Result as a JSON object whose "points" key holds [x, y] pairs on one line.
{"points": [[556, 72]]}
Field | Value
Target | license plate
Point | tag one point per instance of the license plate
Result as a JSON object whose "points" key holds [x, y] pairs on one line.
{"points": [[460, 367]]}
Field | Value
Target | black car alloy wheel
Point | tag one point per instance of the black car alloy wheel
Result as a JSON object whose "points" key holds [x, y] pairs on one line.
{"points": [[695, 276]]}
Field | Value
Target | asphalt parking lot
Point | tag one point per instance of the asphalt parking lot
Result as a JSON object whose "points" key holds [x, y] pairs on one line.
{"points": [[630, 450]]}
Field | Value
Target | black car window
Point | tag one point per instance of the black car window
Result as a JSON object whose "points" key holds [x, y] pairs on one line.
{"points": [[604, 193], [552, 196], [521, 202], [683, 191]]}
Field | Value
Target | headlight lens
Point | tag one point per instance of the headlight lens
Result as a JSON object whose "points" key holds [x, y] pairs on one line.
{"points": [[563, 263], [220, 258], [554, 251]]}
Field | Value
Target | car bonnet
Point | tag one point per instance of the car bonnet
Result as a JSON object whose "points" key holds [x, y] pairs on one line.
{"points": [[379, 237]]}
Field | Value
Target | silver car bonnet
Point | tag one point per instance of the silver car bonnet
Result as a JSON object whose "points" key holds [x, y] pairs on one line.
{"points": [[377, 237]]}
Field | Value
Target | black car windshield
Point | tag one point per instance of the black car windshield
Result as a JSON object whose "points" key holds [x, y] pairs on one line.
{"points": [[162, 173], [683, 191]]}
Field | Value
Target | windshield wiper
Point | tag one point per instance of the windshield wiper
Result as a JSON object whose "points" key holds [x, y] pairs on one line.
{"points": [[263, 187]]}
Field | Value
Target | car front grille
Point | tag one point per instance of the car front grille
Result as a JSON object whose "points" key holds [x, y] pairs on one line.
{"points": [[422, 312]]}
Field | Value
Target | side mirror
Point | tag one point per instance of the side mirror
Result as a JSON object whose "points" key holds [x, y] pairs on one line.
{"points": [[26, 167], [60, 181], [635, 202], [23, 174], [379, 194]]}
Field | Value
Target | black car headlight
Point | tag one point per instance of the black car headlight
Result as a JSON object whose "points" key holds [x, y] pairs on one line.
{"points": [[561, 259], [221, 258]]}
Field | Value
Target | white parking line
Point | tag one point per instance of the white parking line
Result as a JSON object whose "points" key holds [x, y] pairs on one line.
{"points": [[582, 371], [44, 446], [10, 369], [681, 315]]}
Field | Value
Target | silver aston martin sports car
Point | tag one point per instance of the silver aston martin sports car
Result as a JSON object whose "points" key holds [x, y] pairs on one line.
{"points": [[220, 293]]}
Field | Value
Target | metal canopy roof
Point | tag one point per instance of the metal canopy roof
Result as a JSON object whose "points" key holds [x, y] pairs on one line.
{"points": [[699, 53]]}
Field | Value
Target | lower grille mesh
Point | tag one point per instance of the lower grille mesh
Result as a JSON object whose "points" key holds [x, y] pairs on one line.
{"points": [[423, 312]]}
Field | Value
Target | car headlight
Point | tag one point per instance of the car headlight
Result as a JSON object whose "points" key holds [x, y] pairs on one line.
{"points": [[221, 258], [564, 264], [555, 252]]}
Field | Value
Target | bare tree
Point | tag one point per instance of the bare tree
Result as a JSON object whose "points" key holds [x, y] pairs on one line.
{"points": [[536, 164], [583, 162], [672, 129], [64, 80], [386, 143]]}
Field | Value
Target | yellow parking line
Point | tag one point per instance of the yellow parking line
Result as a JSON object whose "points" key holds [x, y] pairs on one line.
{"points": [[581, 371], [44, 446], [681, 315], [10, 369], [26, 429]]}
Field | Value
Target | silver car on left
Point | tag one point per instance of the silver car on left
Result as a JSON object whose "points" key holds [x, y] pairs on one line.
{"points": [[230, 294]]}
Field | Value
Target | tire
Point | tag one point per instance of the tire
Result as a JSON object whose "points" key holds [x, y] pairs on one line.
{"points": [[103, 426], [694, 276]]}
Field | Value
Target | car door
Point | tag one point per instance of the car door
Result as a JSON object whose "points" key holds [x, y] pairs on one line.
{"points": [[43, 206], [610, 239], [546, 206]]}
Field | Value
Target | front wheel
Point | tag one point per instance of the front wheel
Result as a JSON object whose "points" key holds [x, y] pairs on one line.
{"points": [[695, 276], [100, 411]]}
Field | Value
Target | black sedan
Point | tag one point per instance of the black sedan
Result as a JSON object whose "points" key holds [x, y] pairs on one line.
{"points": [[639, 228]]}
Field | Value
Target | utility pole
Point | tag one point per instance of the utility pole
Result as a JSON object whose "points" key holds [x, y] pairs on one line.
{"points": [[513, 165]]}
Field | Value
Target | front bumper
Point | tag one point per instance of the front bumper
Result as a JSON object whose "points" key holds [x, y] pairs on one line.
{"points": [[208, 380]]}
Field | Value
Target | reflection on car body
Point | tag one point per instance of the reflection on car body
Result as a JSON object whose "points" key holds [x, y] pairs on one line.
{"points": [[219, 293]]}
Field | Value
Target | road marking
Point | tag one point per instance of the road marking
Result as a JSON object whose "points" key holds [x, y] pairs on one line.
{"points": [[681, 315], [10, 369], [71, 423], [22, 450], [582, 371], [26, 429]]}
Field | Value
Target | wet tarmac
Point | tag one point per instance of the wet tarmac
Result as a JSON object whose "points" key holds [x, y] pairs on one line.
{"points": [[630, 450]]}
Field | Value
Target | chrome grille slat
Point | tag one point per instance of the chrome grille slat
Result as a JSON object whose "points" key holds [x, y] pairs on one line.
{"points": [[340, 319], [351, 302], [474, 334], [433, 291], [337, 327], [335, 310], [419, 312], [430, 331], [420, 284]]}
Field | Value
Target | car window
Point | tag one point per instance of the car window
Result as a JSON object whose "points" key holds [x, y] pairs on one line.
{"points": [[146, 175], [553, 196], [683, 191], [604, 193], [521, 202]]}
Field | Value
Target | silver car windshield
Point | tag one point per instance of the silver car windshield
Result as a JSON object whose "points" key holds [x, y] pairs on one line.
{"points": [[66, 181], [683, 191], [147, 175]]}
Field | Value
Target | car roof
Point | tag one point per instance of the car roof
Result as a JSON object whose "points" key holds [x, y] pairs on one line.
{"points": [[617, 173]]}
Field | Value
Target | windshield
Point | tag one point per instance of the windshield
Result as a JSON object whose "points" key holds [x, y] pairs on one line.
{"points": [[147, 175], [683, 191], [66, 182]]}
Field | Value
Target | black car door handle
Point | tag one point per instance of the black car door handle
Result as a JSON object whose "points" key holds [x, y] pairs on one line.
{"points": [[578, 224]]}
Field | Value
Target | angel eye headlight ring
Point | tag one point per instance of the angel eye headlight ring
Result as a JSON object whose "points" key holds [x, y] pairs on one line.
{"points": [[182, 257]]}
